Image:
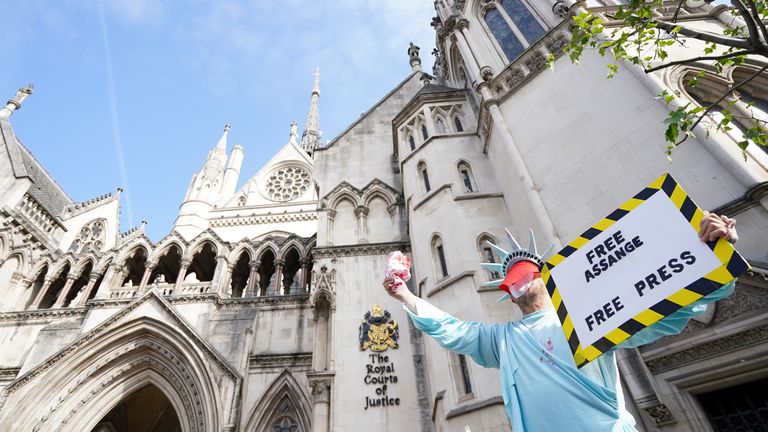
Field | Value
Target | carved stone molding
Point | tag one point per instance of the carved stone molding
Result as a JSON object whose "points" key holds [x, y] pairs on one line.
{"points": [[268, 219], [42, 315], [744, 339], [295, 361], [360, 250]]}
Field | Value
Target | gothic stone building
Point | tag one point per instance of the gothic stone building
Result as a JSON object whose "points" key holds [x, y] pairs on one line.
{"points": [[250, 314]]}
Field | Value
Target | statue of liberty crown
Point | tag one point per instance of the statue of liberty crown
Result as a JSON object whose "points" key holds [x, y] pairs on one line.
{"points": [[516, 254]]}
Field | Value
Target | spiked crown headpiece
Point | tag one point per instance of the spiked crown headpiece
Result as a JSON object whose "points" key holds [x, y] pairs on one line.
{"points": [[524, 261]]}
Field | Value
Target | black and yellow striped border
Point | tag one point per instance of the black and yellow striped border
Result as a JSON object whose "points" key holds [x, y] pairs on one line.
{"points": [[732, 266]]}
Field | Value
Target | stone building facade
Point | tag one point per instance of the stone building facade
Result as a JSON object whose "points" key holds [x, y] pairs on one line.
{"points": [[253, 312]]}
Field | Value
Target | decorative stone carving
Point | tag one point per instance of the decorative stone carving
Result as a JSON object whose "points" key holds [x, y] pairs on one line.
{"points": [[486, 72], [561, 10], [709, 349], [287, 183], [321, 390], [660, 414], [358, 250]]}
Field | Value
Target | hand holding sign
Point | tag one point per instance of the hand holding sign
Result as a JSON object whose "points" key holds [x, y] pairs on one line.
{"points": [[651, 257]]}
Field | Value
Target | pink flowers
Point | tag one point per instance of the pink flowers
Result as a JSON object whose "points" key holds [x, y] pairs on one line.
{"points": [[398, 269]]}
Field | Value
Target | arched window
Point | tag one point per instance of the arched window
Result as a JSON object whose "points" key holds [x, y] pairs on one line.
{"points": [[240, 274], [438, 256], [487, 256], [440, 125], [461, 377], [424, 175], [424, 132], [457, 123], [747, 111], [513, 26], [466, 176], [412, 142]]}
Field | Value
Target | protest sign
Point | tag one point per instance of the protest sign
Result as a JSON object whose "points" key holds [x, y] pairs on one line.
{"points": [[640, 264]]}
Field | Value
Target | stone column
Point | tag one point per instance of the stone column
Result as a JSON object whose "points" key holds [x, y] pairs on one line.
{"points": [[304, 280], [43, 289], [330, 216], [394, 214], [226, 285], [88, 288], [71, 278], [219, 273], [279, 263], [321, 401], [22, 284], [362, 223], [252, 288], [113, 277], [148, 269], [466, 53], [182, 273]]}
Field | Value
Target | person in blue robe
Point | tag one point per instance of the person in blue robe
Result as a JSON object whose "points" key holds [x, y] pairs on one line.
{"points": [[542, 388]]}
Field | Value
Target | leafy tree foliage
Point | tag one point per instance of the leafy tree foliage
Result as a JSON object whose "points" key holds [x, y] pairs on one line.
{"points": [[644, 37]]}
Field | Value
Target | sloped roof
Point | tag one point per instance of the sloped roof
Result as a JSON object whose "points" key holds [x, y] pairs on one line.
{"points": [[44, 188]]}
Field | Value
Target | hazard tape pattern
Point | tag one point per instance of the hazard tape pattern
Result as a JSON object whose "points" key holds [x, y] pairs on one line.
{"points": [[732, 266]]}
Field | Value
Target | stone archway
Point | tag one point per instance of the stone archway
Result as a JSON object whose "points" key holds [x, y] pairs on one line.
{"points": [[147, 409], [73, 390], [284, 407]]}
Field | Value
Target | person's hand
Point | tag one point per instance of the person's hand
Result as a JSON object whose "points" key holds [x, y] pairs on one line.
{"points": [[396, 288], [713, 227]]}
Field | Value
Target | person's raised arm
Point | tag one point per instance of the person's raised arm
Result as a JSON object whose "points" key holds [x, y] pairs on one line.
{"points": [[474, 339]]}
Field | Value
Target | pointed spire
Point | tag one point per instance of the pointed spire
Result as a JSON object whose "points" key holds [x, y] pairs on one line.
{"points": [[310, 138], [222, 144]]}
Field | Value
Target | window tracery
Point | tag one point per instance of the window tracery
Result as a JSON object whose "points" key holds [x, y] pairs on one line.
{"points": [[513, 25], [287, 183], [90, 238]]}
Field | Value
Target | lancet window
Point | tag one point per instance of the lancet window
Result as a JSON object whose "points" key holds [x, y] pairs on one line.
{"points": [[513, 25]]}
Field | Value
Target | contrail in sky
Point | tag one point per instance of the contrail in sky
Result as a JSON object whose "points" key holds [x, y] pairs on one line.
{"points": [[115, 118]]}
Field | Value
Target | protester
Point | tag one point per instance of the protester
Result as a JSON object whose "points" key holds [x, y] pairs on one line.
{"points": [[543, 390]]}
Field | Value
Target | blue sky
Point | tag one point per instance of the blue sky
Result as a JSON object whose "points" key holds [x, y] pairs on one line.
{"points": [[134, 93]]}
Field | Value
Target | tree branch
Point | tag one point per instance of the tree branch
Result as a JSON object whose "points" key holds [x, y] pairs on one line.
{"points": [[758, 21], [690, 60], [754, 36], [704, 36], [677, 10], [725, 94]]}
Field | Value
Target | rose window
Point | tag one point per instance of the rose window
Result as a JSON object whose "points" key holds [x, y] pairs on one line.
{"points": [[287, 183], [91, 237]]}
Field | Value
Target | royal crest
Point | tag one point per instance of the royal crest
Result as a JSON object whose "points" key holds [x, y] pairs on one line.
{"points": [[378, 331]]}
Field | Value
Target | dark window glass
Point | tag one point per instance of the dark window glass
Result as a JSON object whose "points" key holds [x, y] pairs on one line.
{"points": [[507, 40], [465, 374], [736, 409], [424, 132], [523, 19], [412, 142], [459, 126], [491, 258], [466, 179], [425, 177], [441, 258]]}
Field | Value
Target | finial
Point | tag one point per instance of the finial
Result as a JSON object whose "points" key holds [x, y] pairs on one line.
{"points": [[316, 86], [222, 144], [144, 223], [119, 190], [294, 132], [413, 57], [15, 102]]}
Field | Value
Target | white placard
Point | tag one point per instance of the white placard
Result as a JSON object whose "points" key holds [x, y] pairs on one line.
{"points": [[648, 255]]}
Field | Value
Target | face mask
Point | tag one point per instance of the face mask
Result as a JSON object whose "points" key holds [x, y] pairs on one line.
{"points": [[519, 288]]}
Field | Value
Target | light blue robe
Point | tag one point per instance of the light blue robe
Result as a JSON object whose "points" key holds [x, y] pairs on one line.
{"points": [[543, 389]]}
